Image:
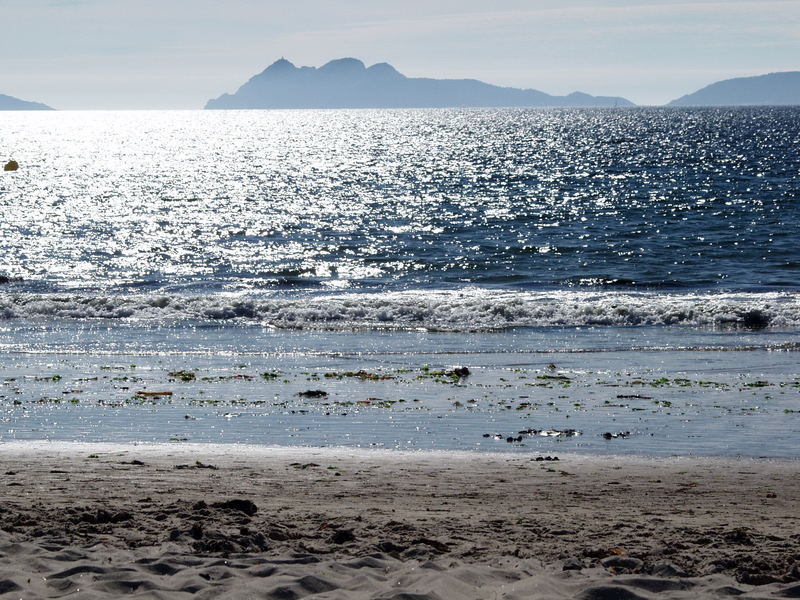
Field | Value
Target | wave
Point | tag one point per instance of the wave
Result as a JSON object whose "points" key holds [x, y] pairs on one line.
{"points": [[465, 310]]}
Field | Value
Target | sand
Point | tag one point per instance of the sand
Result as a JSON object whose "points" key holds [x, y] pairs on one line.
{"points": [[204, 521]]}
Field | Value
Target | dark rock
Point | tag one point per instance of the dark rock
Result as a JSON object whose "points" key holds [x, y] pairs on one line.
{"points": [[100, 517], [343, 536], [197, 465], [245, 506], [458, 372], [196, 531], [11, 165], [199, 505], [313, 394]]}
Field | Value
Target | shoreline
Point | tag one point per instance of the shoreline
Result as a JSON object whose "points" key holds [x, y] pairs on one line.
{"points": [[23, 448], [159, 520], [705, 404]]}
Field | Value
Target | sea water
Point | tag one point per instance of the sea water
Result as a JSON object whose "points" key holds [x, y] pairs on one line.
{"points": [[612, 249]]}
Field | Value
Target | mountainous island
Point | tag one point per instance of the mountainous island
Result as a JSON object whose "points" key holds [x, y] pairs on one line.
{"points": [[773, 89], [11, 103], [348, 83]]}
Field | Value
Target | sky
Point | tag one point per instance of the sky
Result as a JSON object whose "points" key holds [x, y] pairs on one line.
{"points": [[146, 54]]}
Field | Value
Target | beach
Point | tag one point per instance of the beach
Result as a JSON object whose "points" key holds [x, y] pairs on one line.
{"points": [[400, 354], [214, 521]]}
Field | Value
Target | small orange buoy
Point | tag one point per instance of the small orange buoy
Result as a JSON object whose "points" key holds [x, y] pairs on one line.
{"points": [[11, 165]]}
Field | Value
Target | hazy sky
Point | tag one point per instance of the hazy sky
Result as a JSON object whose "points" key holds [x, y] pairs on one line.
{"points": [[179, 53]]}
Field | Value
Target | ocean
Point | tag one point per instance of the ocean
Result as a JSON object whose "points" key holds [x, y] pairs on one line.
{"points": [[615, 280]]}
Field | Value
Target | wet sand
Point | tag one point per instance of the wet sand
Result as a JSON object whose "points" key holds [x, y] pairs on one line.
{"points": [[204, 521]]}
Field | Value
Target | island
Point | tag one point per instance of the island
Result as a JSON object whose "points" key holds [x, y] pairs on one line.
{"points": [[11, 103], [773, 89], [348, 83]]}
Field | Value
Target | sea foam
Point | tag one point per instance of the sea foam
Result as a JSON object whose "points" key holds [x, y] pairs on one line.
{"points": [[465, 310]]}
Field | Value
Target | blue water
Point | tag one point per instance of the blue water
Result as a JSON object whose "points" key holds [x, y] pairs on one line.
{"points": [[140, 214], [617, 243]]}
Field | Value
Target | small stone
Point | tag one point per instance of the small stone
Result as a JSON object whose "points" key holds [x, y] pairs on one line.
{"points": [[196, 531], [11, 165], [102, 516], [342, 536], [245, 506], [313, 394]]}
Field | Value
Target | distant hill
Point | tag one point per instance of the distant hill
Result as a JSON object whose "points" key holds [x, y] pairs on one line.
{"points": [[771, 89], [11, 103], [348, 83]]}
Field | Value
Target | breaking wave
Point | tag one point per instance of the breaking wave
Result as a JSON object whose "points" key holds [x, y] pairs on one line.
{"points": [[466, 310]]}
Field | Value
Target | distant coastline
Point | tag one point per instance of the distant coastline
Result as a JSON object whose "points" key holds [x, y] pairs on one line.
{"points": [[11, 103], [772, 89], [348, 83]]}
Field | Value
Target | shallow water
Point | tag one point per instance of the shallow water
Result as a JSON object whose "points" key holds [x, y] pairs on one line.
{"points": [[669, 401]]}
